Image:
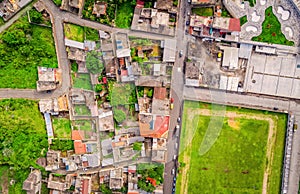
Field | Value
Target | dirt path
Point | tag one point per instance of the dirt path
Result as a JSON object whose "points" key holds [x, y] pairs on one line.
{"points": [[231, 115]]}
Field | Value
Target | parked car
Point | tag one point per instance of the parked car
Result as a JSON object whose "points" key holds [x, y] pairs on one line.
{"points": [[171, 106], [178, 119], [187, 23], [173, 171], [174, 157], [177, 126], [180, 53], [172, 100]]}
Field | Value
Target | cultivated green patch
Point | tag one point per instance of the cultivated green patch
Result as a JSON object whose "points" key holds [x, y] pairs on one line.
{"points": [[61, 128], [91, 34], [74, 32], [82, 81], [237, 161], [124, 14], [271, 30], [23, 47], [82, 110], [85, 125], [203, 11], [23, 139]]}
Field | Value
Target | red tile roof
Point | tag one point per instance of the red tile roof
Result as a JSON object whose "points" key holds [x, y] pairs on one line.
{"points": [[80, 148], [85, 186], [77, 135], [161, 126], [140, 3], [160, 93], [152, 181], [234, 24]]}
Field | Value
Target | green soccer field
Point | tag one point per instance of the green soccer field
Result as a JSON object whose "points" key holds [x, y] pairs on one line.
{"points": [[243, 158]]}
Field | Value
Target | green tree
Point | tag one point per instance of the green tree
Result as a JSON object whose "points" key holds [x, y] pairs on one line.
{"points": [[105, 189], [99, 87], [137, 146], [119, 115], [62, 145], [94, 63], [150, 93], [35, 16]]}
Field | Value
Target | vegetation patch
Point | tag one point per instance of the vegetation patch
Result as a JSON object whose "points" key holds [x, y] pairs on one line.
{"points": [[84, 125], [104, 19], [271, 30], [62, 145], [23, 47], [57, 2], [240, 157], [94, 62], [243, 20], [23, 140], [203, 11], [91, 34], [82, 81], [82, 110], [251, 2], [124, 14], [62, 128], [74, 32], [152, 175]]}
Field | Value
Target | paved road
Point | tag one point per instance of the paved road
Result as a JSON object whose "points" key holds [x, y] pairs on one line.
{"points": [[176, 93]]}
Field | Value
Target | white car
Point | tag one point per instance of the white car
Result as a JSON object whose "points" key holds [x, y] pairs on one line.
{"points": [[173, 171], [177, 126]]}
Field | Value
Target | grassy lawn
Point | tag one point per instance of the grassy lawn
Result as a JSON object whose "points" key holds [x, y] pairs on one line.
{"points": [[82, 110], [203, 11], [82, 81], [24, 47], [124, 14], [85, 125], [62, 128], [91, 34], [237, 160], [243, 20], [74, 32], [271, 30], [23, 140]]}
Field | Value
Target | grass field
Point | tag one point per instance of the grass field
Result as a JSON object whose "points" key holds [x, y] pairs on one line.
{"points": [[271, 30], [85, 125], [203, 11], [91, 34], [74, 32], [243, 159], [243, 20], [82, 110], [24, 47], [124, 14], [82, 81], [62, 128]]}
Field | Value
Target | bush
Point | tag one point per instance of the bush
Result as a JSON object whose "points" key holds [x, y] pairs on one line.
{"points": [[119, 115], [62, 145], [137, 146], [99, 87], [150, 93]]}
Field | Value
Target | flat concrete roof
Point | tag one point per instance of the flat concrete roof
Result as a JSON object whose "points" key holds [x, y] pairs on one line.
{"points": [[269, 84], [273, 75], [230, 57], [272, 65], [245, 51], [169, 50]]}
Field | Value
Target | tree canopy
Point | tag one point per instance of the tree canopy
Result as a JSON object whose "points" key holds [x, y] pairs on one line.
{"points": [[23, 138], [94, 63]]}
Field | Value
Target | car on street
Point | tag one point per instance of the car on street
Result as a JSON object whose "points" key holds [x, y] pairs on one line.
{"points": [[178, 119], [173, 171], [176, 145], [177, 126], [187, 23], [171, 106], [180, 53]]}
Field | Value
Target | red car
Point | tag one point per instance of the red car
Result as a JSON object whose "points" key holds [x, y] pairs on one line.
{"points": [[172, 100]]}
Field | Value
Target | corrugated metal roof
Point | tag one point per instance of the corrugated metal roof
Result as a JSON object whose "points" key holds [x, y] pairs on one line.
{"points": [[48, 125]]}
